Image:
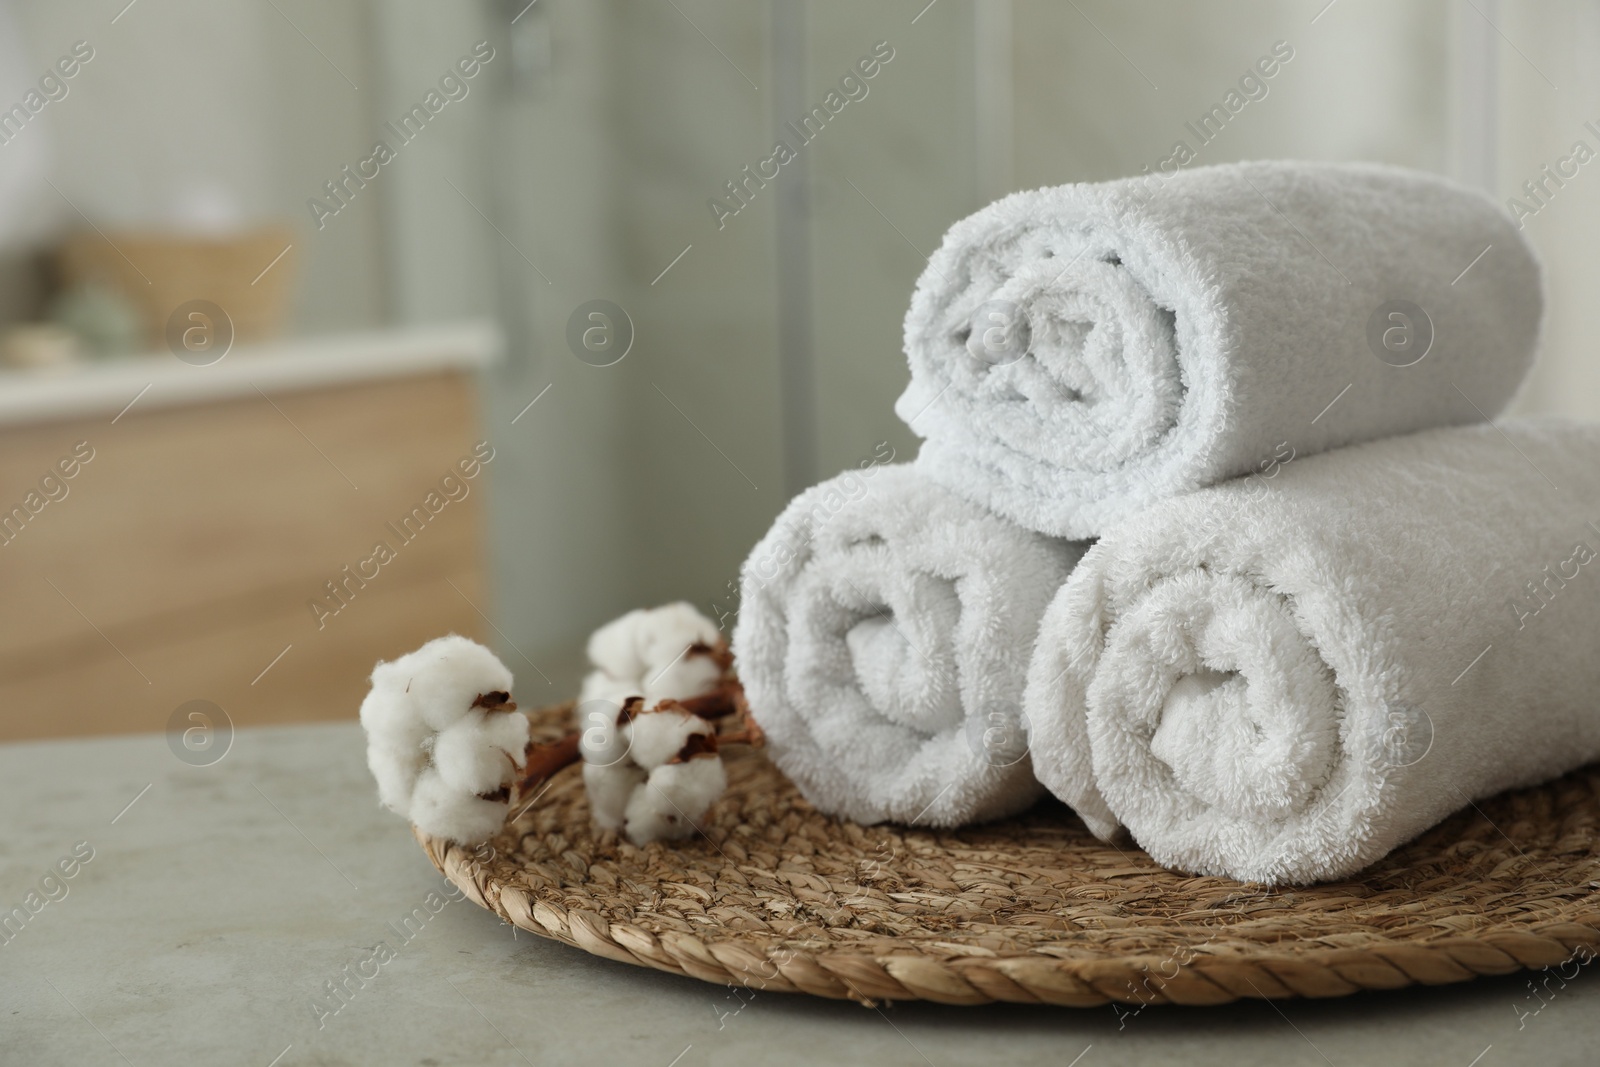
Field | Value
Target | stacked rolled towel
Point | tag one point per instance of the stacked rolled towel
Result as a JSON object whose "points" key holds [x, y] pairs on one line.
{"points": [[1283, 685], [1080, 352], [885, 627], [1278, 678]]}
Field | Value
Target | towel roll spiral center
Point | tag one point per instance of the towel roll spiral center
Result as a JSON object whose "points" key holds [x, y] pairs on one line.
{"points": [[1242, 725]]}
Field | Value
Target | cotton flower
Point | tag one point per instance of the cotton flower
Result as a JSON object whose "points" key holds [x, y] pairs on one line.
{"points": [[477, 754], [657, 736], [610, 787], [651, 768], [441, 810], [443, 739], [449, 750], [633, 770], [660, 653], [673, 800]]}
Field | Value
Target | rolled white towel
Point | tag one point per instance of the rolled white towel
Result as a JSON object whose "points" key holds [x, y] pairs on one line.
{"points": [[883, 637], [1280, 682], [1082, 351]]}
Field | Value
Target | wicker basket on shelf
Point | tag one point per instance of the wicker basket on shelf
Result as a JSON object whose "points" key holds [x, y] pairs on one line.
{"points": [[158, 273]]}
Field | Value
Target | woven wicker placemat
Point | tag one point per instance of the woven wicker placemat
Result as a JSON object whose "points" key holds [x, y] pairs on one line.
{"points": [[776, 896]]}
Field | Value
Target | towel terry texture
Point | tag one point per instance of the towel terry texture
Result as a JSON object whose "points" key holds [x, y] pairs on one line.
{"points": [[884, 632], [1281, 682], [1080, 352]]}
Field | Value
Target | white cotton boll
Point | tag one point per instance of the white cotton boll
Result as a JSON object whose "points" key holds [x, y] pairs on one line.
{"points": [[418, 711], [674, 799], [614, 648], [690, 676], [651, 817], [657, 736], [447, 674], [668, 631], [396, 771], [387, 713], [609, 789], [693, 785], [480, 752], [638, 645], [442, 810], [601, 739], [598, 685], [396, 736], [507, 731], [645, 653]]}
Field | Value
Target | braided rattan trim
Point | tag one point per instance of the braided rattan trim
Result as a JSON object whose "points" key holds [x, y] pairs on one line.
{"points": [[775, 896]]}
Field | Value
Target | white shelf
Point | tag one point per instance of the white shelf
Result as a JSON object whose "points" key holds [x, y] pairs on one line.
{"points": [[107, 386]]}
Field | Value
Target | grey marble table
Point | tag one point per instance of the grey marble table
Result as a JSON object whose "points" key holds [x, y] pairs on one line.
{"points": [[221, 901]]}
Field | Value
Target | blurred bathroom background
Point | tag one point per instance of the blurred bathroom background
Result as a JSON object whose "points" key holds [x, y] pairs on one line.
{"points": [[285, 415]]}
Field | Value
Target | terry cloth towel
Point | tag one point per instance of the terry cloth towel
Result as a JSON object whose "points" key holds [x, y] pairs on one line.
{"points": [[1280, 682], [1079, 352], [884, 632]]}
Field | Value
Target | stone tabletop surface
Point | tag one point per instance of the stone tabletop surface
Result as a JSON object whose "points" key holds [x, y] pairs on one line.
{"points": [[209, 910]]}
